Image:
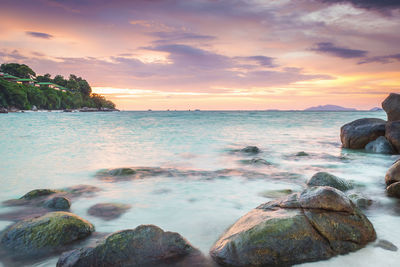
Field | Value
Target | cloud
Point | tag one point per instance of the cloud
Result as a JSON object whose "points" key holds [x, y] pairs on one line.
{"points": [[260, 60], [337, 51], [41, 35], [370, 4], [381, 59], [179, 36]]}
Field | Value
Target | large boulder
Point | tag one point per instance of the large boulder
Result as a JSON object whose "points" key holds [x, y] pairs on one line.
{"points": [[392, 107], [327, 179], [393, 190], [393, 134], [359, 133], [393, 174], [381, 145], [45, 234], [146, 245], [314, 225]]}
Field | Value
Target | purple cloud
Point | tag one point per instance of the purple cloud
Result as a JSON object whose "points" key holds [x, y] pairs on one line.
{"points": [[370, 4], [337, 51], [381, 59], [41, 35]]}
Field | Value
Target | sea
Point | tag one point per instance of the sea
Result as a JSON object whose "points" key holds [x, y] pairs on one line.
{"points": [[56, 150]]}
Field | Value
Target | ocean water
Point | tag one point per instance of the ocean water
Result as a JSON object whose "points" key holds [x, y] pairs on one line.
{"points": [[56, 150]]}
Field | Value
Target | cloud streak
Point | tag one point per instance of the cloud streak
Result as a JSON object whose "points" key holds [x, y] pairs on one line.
{"points": [[338, 51], [40, 35]]}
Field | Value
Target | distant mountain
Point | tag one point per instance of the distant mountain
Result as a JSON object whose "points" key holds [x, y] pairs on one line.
{"points": [[376, 109], [329, 108]]}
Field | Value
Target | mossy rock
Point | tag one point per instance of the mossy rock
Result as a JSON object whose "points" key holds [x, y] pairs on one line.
{"points": [[39, 193], [327, 179], [46, 233], [146, 245], [58, 203]]}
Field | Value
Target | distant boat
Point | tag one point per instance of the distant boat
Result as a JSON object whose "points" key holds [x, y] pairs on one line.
{"points": [[329, 108], [376, 109], [149, 110]]}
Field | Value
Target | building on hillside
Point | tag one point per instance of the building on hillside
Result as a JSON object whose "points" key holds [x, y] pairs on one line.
{"points": [[51, 85], [26, 81], [9, 77]]}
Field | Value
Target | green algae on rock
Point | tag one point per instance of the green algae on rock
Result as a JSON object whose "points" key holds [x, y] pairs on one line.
{"points": [[46, 233], [146, 245]]}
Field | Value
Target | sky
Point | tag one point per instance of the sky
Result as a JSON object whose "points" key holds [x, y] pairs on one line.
{"points": [[212, 54]]}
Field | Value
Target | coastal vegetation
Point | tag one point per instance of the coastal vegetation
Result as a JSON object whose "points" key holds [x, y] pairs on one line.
{"points": [[21, 88]]}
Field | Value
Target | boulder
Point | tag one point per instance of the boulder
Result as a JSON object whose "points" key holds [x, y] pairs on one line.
{"points": [[314, 225], [381, 145], [302, 154], [391, 105], [393, 134], [146, 245], [327, 179], [359, 133], [250, 150], [256, 162], [37, 193], [58, 203], [393, 190], [108, 211], [361, 201], [393, 174], [45, 234]]}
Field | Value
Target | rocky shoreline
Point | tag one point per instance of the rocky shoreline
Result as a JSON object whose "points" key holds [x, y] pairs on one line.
{"points": [[34, 109], [323, 220]]}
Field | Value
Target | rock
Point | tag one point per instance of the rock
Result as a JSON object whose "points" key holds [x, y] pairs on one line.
{"points": [[327, 179], [317, 224], [381, 145], [391, 105], [393, 190], [385, 245], [359, 133], [81, 190], [108, 211], [255, 161], [250, 150], [34, 108], [45, 234], [361, 201], [302, 154], [393, 174], [3, 110], [58, 203], [393, 134], [39, 193], [276, 193], [146, 245]]}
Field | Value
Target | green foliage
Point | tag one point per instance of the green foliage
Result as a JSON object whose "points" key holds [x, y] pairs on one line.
{"points": [[19, 70], [26, 96]]}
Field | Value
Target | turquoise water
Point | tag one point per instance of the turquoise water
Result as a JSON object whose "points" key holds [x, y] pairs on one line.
{"points": [[55, 150]]}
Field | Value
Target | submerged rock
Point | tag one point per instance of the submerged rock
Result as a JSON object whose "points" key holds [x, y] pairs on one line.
{"points": [[359, 133], [361, 201], [327, 179], [381, 145], [391, 105], [256, 161], [45, 234], [146, 245], [386, 245], [393, 134], [108, 211], [302, 154], [317, 224], [39, 193], [393, 174], [276, 193], [250, 150], [58, 203]]}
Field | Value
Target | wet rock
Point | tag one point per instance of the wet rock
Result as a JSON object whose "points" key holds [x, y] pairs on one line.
{"points": [[135, 173], [58, 203], [393, 190], [146, 245], [393, 174], [317, 224], [276, 193], [391, 105], [81, 190], [108, 211], [45, 234], [381, 145], [3, 110], [327, 179], [302, 154], [359, 133], [39, 193], [250, 150], [361, 201], [385, 245], [255, 161], [393, 134]]}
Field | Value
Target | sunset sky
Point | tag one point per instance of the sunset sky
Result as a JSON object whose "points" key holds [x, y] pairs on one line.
{"points": [[212, 54]]}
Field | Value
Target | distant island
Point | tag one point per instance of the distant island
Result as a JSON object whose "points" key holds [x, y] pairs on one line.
{"points": [[329, 108], [376, 109], [22, 89]]}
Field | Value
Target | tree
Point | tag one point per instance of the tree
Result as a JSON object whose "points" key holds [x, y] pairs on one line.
{"points": [[44, 78], [19, 70]]}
